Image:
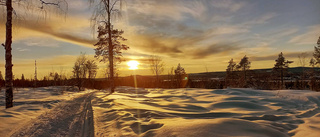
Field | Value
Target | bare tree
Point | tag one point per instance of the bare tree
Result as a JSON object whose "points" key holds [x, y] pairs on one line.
{"points": [[109, 44], [156, 66], [312, 82], [303, 62], [8, 42], [80, 70]]}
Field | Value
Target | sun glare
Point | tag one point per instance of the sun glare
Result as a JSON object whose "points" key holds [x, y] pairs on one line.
{"points": [[133, 64]]}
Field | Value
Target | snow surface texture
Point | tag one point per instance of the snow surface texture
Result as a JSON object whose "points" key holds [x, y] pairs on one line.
{"points": [[205, 112], [163, 112], [29, 103]]}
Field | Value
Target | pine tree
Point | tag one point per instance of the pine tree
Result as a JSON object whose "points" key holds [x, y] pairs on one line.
{"points": [[179, 74], [316, 53], [110, 49], [244, 66], [230, 72], [8, 40], [108, 44], [281, 65]]}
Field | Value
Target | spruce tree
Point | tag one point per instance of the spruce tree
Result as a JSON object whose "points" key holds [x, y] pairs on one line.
{"points": [[281, 66], [179, 73], [109, 48], [316, 53], [230, 72], [244, 66]]}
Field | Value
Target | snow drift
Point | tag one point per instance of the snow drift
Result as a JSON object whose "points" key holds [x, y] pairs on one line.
{"points": [[168, 112]]}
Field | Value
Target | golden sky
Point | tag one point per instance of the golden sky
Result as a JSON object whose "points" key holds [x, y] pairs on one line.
{"points": [[201, 35]]}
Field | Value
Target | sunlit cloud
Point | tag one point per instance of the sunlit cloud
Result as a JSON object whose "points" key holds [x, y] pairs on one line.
{"points": [[180, 31], [309, 36]]}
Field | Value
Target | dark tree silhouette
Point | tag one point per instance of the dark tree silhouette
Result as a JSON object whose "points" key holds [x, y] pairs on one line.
{"points": [[314, 62], [244, 66], [156, 66], [312, 82], [230, 72], [281, 65], [109, 48], [316, 53], [109, 45], [179, 75], [80, 70], [22, 77], [8, 44], [92, 68]]}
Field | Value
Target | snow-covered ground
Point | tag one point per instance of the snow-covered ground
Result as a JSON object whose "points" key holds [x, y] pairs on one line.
{"points": [[163, 112], [29, 103], [206, 112]]}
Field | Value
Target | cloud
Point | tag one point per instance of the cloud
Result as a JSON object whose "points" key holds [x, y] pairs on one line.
{"points": [[232, 6], [287, 55], [260, 20], [198, 45], [58, 29], [310, 36], [213, 49], [22, 49]]}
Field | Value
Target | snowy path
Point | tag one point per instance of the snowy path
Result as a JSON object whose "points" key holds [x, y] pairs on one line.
{"points": [[70, 118]]}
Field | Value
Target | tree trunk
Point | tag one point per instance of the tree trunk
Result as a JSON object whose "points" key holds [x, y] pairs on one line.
{"points": [[281, 78], [8, 56], [112, 85]]}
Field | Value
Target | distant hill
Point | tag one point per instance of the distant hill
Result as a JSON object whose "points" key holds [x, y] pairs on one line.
{"points": [[220, 74]]}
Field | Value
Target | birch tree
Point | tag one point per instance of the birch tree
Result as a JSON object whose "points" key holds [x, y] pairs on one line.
{"points": [[156, 66], [39, 4]]}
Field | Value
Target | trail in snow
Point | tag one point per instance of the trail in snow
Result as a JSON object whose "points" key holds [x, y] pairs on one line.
{"points": [[70, 118]]}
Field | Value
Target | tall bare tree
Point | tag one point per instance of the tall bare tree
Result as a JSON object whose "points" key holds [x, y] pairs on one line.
{"points": [[156, 66], [8, 42], [312, 82], [303, 62], [109, 43]]}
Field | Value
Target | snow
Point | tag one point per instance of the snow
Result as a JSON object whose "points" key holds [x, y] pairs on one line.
{"points": [[162, 112], [29, 103]]}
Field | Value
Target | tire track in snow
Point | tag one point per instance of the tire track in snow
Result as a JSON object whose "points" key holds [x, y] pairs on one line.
{"points": [[70, 118]]}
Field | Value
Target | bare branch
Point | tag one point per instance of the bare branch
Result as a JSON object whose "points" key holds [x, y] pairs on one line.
{"points": [[49, 3], [114, 4], [3, 45]]}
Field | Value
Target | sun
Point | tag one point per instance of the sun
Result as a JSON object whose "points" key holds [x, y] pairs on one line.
{"points": [[133, 64]]}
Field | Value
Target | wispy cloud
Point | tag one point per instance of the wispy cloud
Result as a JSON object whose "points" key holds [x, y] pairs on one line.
{"points": [[287, 55], [310, 36]]}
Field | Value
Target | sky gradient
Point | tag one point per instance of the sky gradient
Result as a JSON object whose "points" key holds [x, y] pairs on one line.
{"points": [[201, 35]]}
